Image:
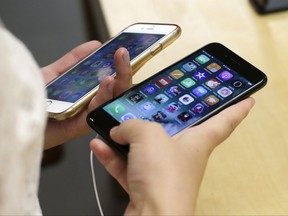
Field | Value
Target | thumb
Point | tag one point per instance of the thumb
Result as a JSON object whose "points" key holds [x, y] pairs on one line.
{"points": [[135, 131]]}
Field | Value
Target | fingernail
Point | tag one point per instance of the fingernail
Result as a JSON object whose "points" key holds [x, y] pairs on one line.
{"points": [[113, 130], [111, 86], [125, 56]]}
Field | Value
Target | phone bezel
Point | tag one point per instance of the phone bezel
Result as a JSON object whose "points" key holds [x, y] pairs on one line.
{"points": [[60, 110], [100, 121]]}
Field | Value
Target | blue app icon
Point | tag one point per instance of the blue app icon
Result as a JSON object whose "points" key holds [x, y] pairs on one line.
{"points": [[189, 66], [159, 116], [149, 89], [200, 75], [173, 107], [148, 106], [128, 116], [198, 108], [175, 90], [161, 98], [199, 91]]}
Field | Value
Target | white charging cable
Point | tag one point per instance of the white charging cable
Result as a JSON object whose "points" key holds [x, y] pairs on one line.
{"points": [[94, 183]]}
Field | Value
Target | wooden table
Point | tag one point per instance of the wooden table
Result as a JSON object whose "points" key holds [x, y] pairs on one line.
{"points": [[248, 174]]}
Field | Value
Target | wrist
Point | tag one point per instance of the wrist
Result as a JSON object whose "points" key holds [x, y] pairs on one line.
{"points": [[181, 204]]}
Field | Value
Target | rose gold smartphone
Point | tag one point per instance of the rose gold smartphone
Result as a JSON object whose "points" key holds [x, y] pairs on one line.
{"points": [[68, 94]]}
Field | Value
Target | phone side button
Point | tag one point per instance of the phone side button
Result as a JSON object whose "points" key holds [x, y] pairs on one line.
{"points": [[155, 49], [48, 103]]}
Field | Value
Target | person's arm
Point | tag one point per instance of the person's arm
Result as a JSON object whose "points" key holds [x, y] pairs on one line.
{"points": [[162, 174], [58, 132]]}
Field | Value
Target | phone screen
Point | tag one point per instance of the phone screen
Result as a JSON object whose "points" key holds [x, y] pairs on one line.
{"points": [[183, 94], [79, 80]]}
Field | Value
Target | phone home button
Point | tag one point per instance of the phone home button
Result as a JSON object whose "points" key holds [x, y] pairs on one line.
{"points": [[48, 103]]}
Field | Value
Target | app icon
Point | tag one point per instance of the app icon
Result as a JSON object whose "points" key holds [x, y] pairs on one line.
{"points": [[173, 107], [94, 73], [163, 81], [65, 94], [128, 116], [85, 72], [139, 49], [200, 75], [188, 82], [213, 83], [116, 109], [151, 40], [189, 66], [184, 117], [87, 62], [175, 90], [72, 81], [55, 92], [82, 82], [213, 67], [149, 89], [176, 74], [147, 106], [130, 47], [50, 90], [159, 116], [63, 80], [96, 64], [225, 75], [211, 100], [135, 98], [199, 91], [161, 98], [75, 70], [91, 83], [76, 96], [198, 108], [237, 84], [202, 59], [108, 55], [107, 64], [122, 37], [224, 92], [186, 99]]}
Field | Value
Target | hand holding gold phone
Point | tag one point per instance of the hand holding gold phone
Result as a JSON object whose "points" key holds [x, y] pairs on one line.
{"points": [[68, 94]]}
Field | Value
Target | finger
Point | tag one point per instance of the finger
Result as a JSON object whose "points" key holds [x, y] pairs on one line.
{"points": [[104, 93], [135, 131], [218, 128], [123, 71], [74, 56], [113, 163], [70, 59]]}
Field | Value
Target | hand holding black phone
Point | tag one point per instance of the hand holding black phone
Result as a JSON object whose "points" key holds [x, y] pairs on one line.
{"points": [[184, 94]]}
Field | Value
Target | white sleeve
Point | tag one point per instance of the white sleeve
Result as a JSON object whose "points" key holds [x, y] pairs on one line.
{"points": [[22, 125]]}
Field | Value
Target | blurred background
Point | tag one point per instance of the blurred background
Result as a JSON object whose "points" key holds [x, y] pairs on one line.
{"points": [[50, 29], [247, 174]]}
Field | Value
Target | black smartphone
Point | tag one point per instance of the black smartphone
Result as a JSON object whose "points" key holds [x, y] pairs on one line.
{"points": [[182, 95], [269, 6]]}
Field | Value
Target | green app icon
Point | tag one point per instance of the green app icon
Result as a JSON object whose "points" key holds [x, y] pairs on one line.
{"points": [[188, 82], [202, 59], [117, 108]]}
